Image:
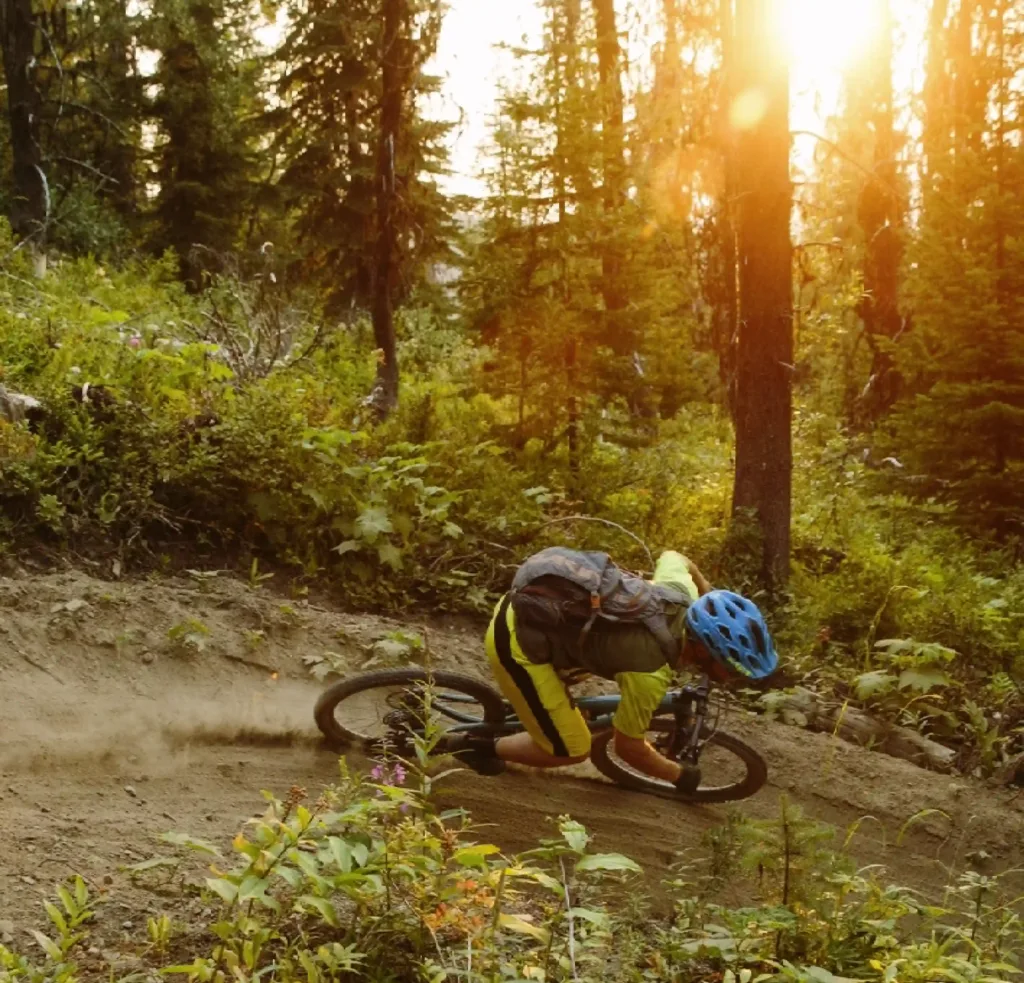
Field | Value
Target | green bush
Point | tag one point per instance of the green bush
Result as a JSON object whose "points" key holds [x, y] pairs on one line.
{"points": [[213, 448], [369, 883]]}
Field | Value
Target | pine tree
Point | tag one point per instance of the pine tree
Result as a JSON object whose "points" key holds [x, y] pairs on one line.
{"points": [[531, 285], [204, 158], [960, 428], [328, 133], [554, 240]]}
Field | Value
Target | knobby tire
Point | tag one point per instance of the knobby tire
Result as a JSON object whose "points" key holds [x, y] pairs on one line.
{"points": [[339, 737]]}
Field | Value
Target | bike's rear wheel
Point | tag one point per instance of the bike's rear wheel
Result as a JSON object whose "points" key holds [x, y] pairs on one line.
{"points": [[370, 710], [730, 769]]}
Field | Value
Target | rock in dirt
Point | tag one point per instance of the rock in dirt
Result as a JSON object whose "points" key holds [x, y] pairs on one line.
{"points": [[6, 931], [131, 791]]}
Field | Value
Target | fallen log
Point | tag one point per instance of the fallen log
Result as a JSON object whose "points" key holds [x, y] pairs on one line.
{"points": [[805, 708]]}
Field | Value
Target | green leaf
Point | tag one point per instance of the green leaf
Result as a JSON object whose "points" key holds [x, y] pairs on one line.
{"points": [[349, 546], [153, 863], [516, 924], [360, 853], [869, 683], [223, 888], [608, 861], [474, 856], [254, 888], [57, 917], [289, 875], [341, 854], [372, 522], [183, 839], [48, 946], [922, 680], [575, 835], [453, 530], [322, 905], [598, 918], [391, 555]]}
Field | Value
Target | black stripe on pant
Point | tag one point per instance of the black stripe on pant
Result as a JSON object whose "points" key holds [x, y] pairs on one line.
{"points": [[524, 682]]}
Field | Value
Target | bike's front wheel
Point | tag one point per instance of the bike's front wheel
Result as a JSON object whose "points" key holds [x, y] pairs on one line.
{"points": [[730, 769], [378, 709]]}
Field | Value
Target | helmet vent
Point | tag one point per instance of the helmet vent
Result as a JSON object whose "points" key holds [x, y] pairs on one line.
{"points": [[733, 631]]}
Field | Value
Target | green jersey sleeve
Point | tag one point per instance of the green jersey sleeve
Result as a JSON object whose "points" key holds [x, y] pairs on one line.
{"points": [[672, 571], [641, 692]]}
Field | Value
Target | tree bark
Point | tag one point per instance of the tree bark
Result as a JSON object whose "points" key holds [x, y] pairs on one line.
{"points": [[609, 64], [384, 397], [31, 197], [360, 189], [726, 308], [564, 82], [880, 214], [969, 99], [935, 137], [124, 86], [764, 457]]}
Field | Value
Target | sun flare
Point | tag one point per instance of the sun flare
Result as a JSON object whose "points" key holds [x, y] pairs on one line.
{"points": [[826, 35]]}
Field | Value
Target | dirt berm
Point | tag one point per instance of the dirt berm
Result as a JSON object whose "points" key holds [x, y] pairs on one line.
{"points": [[113, 732]]}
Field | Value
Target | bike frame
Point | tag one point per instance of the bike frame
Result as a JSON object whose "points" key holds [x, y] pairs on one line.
{"points": [[688, 705]]}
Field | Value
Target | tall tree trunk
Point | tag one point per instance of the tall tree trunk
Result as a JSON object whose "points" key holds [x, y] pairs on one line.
{"points": [[968, 97], [880, 215], [609, 64], [764, 458], [124, 87], [385, 391], [936, 137], [725, 289], [567, 50], [359, 190], [1003, 285], [31, 194]]}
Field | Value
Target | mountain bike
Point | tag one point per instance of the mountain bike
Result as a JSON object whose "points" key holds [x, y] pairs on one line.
{"points": [[385, 712]]}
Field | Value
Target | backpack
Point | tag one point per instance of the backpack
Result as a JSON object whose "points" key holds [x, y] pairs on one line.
{"points": [[570, 591]]}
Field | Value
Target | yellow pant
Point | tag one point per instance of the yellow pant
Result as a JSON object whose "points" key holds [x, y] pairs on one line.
{"points": [[535, 691]]}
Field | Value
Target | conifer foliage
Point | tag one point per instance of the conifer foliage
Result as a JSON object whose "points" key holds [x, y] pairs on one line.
{"points": [[645, 260]]}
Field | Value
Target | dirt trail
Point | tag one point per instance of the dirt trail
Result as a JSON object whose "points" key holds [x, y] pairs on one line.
{"points": [[111, 736]]}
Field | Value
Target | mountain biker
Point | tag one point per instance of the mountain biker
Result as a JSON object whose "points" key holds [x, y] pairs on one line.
{"points": [[720, 634]]}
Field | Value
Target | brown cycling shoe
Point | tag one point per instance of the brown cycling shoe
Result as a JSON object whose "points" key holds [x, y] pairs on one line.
{"points": [[477, 753], [689, 781]]}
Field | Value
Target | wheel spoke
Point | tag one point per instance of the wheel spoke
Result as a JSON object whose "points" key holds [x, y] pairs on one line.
{"points": [[396, 710]]}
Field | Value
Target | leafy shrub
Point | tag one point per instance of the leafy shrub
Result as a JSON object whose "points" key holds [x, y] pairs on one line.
{"points": [[370, 883]]}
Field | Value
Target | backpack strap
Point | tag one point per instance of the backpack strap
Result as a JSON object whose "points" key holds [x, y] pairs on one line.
{"points": [[595, 610], [657, 625]]}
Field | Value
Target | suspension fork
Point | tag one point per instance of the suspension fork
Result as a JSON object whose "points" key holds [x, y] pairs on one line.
{"points": [[693, 714]]}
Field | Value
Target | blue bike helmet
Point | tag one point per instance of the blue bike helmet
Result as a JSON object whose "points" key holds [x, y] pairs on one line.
{"points": [[733, 631]]}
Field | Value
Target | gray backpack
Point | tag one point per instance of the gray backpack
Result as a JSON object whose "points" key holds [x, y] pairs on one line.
{"points": [[569, 591]]}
